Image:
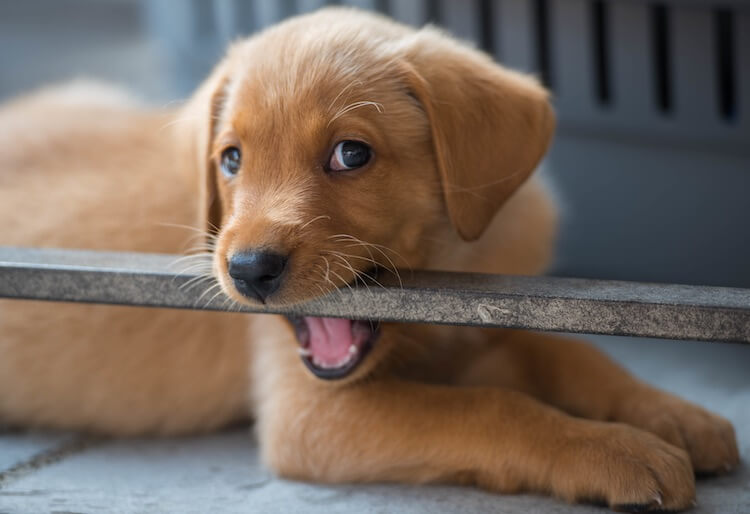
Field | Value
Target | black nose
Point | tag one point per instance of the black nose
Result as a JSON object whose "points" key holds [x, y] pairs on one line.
{"points": [[257, 273]]}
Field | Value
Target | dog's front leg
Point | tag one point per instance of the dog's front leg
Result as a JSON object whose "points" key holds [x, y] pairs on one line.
{"points": [[578, 378], [388, 430]]}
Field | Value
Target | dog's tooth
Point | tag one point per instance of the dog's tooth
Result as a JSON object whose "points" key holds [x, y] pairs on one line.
{"points": [[353, 349], [324, 365], [304, 352], [327, 365]]}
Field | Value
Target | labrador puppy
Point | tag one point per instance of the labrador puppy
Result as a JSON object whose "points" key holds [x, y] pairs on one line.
{"points": [[318, 151]]}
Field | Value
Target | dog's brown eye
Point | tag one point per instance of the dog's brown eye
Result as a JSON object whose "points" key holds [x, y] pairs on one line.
{"points": [[349, 155], [231, 159]]}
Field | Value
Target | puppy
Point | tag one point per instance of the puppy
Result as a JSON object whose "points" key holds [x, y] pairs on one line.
{"points": [[317, 151]]}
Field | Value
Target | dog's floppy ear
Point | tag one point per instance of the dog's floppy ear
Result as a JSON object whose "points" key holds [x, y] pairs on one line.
{"points": [[201, 115], [490, 126]]}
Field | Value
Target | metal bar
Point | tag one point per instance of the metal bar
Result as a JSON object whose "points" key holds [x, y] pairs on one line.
{"points": [[539, 303]]}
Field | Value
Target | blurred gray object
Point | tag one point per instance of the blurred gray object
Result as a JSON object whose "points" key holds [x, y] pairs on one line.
{"points": [[651, 162]]}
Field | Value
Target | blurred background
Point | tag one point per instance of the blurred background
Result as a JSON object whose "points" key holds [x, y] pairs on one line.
{"points": [[652, 159]]}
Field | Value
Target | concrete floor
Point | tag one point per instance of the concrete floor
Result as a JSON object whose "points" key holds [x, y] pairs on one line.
{"points": [[220, 473]]}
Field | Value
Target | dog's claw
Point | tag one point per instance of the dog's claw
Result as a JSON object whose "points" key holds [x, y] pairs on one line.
{"points": [[656, 504]]}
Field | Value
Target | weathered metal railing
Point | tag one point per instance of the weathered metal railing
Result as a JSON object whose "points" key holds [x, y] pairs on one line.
{"points": [[539, 303]]}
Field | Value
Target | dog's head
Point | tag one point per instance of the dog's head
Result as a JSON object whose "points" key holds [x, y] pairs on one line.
{"points": [[338, 142]]}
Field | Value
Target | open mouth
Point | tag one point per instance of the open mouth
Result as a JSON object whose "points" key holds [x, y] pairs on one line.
{"points": [[332, 348]]}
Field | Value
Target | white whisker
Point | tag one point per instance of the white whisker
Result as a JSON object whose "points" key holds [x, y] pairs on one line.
{"points": [[207, 291], [357, 274], [346, 88], [354, 241], [322, 216], [345, 264], [355, 105]]}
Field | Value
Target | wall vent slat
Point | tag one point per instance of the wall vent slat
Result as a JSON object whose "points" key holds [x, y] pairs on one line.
{"points": [[411, 12], [461, 18], [693, 51], [633, 81], [742, 59], [309, 5], [571, 54], [515, 38]]}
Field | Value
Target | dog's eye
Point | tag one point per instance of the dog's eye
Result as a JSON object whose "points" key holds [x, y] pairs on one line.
{"points": [[231, 159], [349, 155]]}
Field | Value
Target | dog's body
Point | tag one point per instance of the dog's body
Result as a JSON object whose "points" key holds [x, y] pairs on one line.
{"points": [[427, 403]]}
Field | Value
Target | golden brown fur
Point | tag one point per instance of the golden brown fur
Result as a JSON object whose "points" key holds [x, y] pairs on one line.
{"points": [[455, 138]]}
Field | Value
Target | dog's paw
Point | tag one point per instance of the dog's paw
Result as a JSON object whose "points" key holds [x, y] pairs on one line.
{"points": [[709, 439], [628, 469]]}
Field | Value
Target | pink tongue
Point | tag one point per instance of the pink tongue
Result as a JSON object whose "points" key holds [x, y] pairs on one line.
{"points": [[330, 339]]}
